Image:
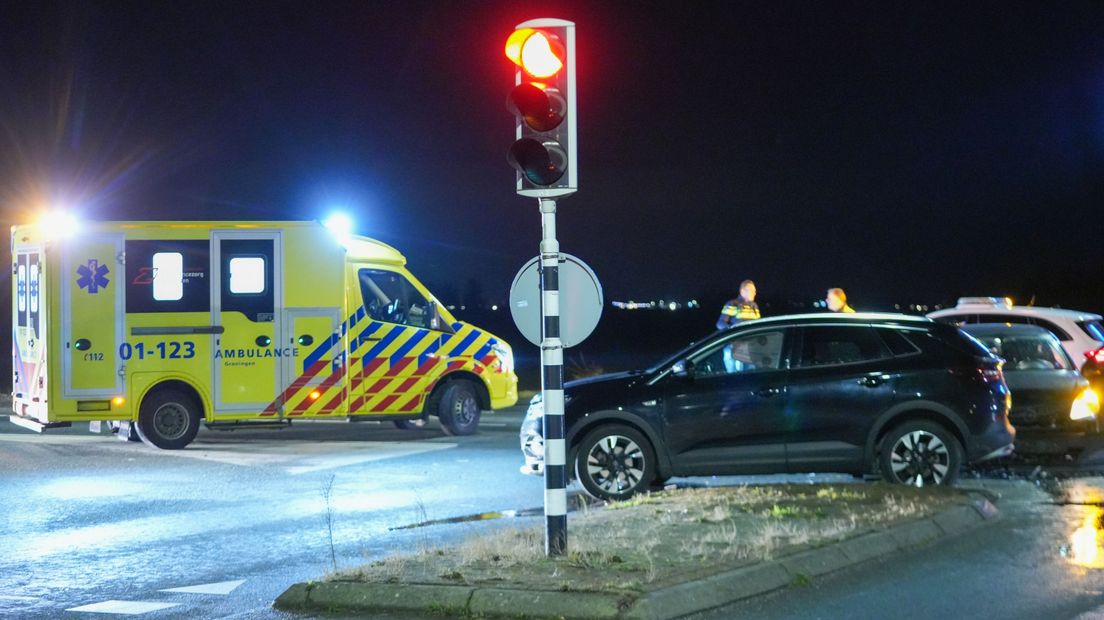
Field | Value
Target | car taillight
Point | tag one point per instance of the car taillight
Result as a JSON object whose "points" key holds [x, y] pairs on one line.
{"points": [[1096, 356], [991, 375]]}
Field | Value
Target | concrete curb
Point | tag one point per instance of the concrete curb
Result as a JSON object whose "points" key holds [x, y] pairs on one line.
{"points": [[667, 602]]}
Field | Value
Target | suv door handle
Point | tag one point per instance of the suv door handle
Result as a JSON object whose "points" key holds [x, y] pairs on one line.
{"points": [[873, 381], [768, 392]]}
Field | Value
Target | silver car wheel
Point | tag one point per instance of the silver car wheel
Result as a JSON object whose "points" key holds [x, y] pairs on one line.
{"points": [[615, 464], [920, 458]]}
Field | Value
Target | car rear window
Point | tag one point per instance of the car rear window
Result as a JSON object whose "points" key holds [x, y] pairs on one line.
{"points": [[1095, 329], [1028, 352]]}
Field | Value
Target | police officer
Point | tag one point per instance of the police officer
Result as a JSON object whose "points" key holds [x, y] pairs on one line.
{"points": [[743, 308], [837, 301]]}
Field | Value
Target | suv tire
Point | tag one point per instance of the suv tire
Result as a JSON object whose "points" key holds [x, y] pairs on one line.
{"points": [[614, 462], [920, 453]]}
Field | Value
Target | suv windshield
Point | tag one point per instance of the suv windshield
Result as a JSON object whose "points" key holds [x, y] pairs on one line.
{"points": [[1028, 352]]}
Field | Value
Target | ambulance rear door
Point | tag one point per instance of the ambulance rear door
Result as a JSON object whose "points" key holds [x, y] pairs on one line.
{"points": [[29, 326], [92, 316]]}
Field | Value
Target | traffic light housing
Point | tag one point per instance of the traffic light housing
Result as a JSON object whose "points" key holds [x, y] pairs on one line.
{"points": [[543, 102]]}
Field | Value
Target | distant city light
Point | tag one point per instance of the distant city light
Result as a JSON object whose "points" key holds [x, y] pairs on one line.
{"points": [[662, 304]]}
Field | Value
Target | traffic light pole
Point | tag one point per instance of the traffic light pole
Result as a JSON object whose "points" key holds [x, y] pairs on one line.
{"points": [[555, 454]]}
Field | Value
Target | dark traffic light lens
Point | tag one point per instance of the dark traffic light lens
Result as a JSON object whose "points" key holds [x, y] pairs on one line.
{"points": [[541, 110], [543, 163]]}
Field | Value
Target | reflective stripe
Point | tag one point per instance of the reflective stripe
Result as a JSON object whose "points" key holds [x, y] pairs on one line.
{"points": [[555, 502], [464, 344], [384, 343], [412, 342]]}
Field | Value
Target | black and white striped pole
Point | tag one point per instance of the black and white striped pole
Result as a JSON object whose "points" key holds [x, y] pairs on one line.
{"points": [[552, 378], [544, 154]]}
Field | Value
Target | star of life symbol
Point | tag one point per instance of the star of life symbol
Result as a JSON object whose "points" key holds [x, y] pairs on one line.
{"points": [[93, 276]]}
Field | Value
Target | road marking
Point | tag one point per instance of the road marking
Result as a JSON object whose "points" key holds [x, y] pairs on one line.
{"points": [[52, 439], [222, 588], [382, 451], [303, 456], [131, 608]]}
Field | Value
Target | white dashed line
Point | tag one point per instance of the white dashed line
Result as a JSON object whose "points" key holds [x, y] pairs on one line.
{"points": [[130, 608], [221, 588]]}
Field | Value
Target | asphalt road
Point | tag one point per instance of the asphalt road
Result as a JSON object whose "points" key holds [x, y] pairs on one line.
{"points": [[1037, 561], [88, 519], [91, 526]]}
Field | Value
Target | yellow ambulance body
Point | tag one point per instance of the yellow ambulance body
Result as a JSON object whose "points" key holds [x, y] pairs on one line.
{"points": [[161, 326]]}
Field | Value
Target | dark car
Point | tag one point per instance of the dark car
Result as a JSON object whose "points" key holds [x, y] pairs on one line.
{"points": [[857, 393], [1049, 396]]}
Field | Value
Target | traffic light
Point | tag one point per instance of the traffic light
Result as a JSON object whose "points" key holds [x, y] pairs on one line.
{"points": [[543, 100]]}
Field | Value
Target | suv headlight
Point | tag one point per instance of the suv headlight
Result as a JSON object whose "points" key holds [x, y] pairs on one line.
{"points": [[536, 407]]}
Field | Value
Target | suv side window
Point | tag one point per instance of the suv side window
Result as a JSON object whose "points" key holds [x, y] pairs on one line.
{"points": [[391, 298], [958, 320], [897, 342], [755, 352], [1052, 328], [1015, 319], [836, 345]]}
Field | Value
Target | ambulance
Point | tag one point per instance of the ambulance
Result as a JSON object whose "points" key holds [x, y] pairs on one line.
{"points": [[158, 327]]}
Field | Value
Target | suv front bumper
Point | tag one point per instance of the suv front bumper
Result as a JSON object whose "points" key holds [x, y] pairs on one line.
{"points": [[532, 447]]}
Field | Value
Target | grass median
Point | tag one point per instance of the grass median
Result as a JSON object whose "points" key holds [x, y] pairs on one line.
{"points": [[663, 538]]}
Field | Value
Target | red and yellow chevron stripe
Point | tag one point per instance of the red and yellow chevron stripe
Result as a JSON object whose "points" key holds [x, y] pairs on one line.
{"points": [[395, 374]]}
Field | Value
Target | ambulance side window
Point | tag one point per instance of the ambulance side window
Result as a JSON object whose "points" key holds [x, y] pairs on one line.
{"points": [[390, 297], [168, 275], [248, 278]]}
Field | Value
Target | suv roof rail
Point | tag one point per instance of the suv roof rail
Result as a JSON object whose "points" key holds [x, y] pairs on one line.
{"points": [[991, 302]]}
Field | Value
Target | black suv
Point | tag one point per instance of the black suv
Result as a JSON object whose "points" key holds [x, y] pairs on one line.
{"points": [[902, 396]]}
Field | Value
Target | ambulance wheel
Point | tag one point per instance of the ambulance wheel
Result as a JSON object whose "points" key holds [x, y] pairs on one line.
{"points": [[410, 425], [459, 409], [168, 419]]}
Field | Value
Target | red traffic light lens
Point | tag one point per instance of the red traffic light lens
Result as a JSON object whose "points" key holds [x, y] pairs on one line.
{"points": [[543, 163], [536, 52], [541, 110]]}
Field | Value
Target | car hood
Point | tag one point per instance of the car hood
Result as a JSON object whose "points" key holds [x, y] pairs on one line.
{"points": [[602, 390], [606, 380]]}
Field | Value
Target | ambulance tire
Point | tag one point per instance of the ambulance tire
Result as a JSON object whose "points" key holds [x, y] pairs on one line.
{"points": [[459, 408], [168, 419]]}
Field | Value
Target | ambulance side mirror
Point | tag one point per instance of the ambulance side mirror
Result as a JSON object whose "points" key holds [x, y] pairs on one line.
{"points": [[434, 316]]}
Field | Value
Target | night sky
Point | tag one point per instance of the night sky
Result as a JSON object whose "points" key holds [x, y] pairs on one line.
{"points": [[903, 151]]}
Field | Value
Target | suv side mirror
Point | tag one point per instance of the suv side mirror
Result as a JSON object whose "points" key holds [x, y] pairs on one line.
{"points": [[683, 369]]}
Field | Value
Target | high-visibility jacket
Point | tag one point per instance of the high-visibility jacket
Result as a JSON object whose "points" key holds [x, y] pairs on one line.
{"points": [[736, 310]]}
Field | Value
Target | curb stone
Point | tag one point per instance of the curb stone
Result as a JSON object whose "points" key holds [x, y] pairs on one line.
{"points": [[554, 604], [668, 602]]}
